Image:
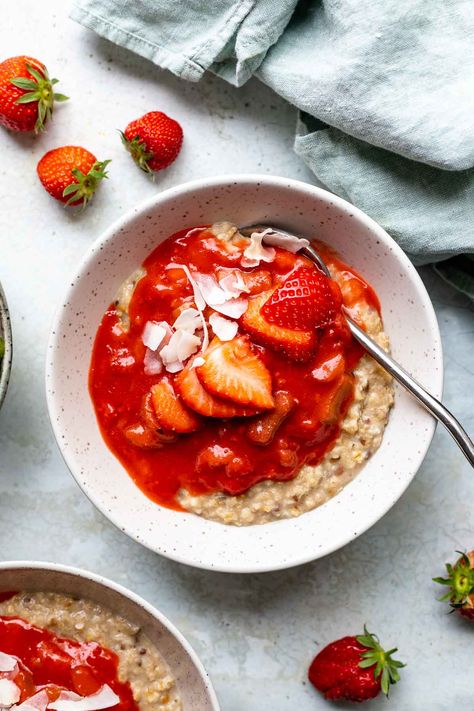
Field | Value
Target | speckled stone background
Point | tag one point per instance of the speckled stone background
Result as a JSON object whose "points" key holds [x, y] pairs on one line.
{"points": [[255, 634]]}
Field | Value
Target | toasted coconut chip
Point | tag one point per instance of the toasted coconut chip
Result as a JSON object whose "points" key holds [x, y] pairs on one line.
{"points": [[210, 289], [233, 284], [182, 346], [152, 362], [37, 702], [154, 334], [188, 320], [198, 298], [199, 360], [7, 662], [256, 252], [234, 308], [223, 328], [105, 698], [205, 337], [9, 693], [289, 242]]}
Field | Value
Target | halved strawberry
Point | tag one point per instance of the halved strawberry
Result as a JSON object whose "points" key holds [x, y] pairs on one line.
{"points": [[307, 299], [199, 399], [234, 372], [170, 412], [296, 345]]}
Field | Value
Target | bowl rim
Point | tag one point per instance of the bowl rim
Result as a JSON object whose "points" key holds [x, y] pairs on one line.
{"points": [[232, 180], [6, 334], [134, 597]]}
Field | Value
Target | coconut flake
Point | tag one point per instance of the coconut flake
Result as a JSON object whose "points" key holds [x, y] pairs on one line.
{"points": [[188, 320], [187, 345], [182, 346], [210, 289], [37, 702], [199, 360], [233, 284], [7, 662], [256, 252], [205, 336], [155, 333], [289, 242], [9, 693], [223, 328], [152, 362], [105, 698], [218, 299], [234, 308], [198, 298]]}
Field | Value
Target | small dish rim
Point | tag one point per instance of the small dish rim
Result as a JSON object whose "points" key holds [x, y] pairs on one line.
{"points": [[101, 580]]}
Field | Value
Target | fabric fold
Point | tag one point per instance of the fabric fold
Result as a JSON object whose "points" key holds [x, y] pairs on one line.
{"points": [[386, 90], [425, 209]]}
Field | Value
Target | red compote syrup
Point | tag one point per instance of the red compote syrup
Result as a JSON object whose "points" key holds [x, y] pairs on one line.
{"points": [[265, 397], [55, 664]]}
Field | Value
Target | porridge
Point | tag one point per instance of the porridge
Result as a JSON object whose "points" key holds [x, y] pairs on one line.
{"points": [[225, 379], [56, 650]]}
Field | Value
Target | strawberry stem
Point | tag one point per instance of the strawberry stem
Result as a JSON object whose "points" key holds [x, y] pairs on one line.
{"points": [[85, 185], [138, 150], [384, 665], [460, 581], [39, 89]]}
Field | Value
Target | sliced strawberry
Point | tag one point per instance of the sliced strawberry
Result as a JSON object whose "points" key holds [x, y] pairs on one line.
{"points": [[234, 372], [306, 300], [171, 413], [296, 345], [257, 280], [199, 399]]}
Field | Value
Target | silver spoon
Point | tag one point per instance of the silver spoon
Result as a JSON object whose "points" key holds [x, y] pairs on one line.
{"points": [[430, 403]]}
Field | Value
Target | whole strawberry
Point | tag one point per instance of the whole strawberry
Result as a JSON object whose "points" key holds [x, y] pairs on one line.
{"points": [[26, 94], [154, 141], [354, 669], [71, 174], [460, 581]]}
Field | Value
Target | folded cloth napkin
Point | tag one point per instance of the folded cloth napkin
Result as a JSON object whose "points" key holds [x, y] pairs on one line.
{"points": [[386, 90]]}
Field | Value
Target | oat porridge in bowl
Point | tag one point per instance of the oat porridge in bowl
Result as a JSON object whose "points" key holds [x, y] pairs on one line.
{"points": [[65, 651], [225, 379], [207, 416]]}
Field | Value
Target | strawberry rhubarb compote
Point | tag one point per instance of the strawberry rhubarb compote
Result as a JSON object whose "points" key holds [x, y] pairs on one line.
{"points": [[58, 653], [225, 378]]}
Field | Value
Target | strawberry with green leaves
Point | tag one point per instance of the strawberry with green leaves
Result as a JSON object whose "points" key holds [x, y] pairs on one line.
{"points": [[71, 174], [354, 669], [153, 141], [27, 94], [460, 581]]}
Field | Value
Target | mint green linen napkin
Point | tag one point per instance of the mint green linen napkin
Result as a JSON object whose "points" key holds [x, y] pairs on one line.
{"points": [[390, 85]]}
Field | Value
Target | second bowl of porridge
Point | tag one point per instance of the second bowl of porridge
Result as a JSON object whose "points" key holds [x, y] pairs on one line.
{"points": [[73, 640], [205, 390]]}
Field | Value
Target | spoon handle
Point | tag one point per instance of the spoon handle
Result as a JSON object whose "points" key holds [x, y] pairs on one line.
{"points": [[430, 403]]}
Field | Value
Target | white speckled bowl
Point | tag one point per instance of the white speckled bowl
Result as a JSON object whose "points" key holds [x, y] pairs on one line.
{"points": [[193, 682], [6, 335], [244, 199]]}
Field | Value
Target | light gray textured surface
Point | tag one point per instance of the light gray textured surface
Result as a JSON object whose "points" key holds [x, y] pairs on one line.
{"points": [[255, 634]]}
